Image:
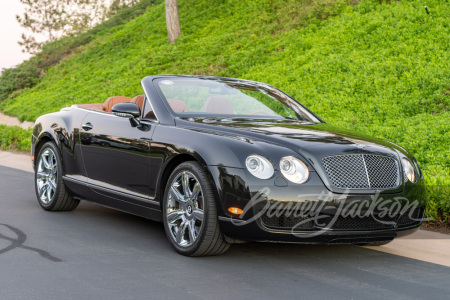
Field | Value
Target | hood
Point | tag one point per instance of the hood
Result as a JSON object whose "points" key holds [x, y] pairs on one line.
{"points": [[313, 140]]}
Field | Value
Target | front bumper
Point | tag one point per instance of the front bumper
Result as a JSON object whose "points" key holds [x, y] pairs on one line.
{"points": [[255, 231], [279, 211]]}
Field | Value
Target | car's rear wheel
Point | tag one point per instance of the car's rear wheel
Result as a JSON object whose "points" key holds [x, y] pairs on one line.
{"points": [[190, 214], [50, 190]]}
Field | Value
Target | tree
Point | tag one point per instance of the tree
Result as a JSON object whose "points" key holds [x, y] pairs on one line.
{"points": [[44, 17], [81, 15], [172, 20], [117, 5], [52, 19], [85, 14]]}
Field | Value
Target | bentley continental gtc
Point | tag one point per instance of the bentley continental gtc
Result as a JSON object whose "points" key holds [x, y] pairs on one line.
{"points": [[222, 161]]}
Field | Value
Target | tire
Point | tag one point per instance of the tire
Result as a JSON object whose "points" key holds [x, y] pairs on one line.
{"points": [[380, 243], [50, 190], [190, 216]]}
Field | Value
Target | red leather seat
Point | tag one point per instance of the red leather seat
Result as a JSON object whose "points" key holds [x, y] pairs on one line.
{"points": [[177, 105]]}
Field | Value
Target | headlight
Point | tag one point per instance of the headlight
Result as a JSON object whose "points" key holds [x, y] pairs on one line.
{"points": [[408, 170], [294, 169], [259, 166]]}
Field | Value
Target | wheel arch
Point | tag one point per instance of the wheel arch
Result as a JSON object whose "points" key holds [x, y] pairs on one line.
{"points": [[172, 164], [43, 139]]}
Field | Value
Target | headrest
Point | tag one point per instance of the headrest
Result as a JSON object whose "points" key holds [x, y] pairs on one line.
{"points": [[111, 101], [138, 100], [177, 105]]}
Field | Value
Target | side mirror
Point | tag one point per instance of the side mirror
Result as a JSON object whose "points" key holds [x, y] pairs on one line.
{"points": [[128, 110]]}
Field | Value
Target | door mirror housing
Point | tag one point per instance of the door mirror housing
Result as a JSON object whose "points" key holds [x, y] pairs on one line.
{"points": [[128, 110]]}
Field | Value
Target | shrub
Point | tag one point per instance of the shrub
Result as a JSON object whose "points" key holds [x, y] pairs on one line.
{"points": [[15, 138]]}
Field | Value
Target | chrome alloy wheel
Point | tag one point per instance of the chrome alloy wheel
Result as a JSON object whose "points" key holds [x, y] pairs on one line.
{"points": [[46, 176], [184, 213]]}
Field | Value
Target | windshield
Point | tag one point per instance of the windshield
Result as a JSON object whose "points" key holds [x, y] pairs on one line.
{"points": [[198, 97]]}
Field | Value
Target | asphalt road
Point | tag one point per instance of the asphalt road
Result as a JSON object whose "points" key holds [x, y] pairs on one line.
{"points": [[98, 253]]}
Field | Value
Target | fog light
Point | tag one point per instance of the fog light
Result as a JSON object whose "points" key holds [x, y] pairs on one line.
{"points": [[235, 210]]}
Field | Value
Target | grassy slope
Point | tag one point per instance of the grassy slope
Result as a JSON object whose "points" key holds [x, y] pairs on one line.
{"points": [[380, 69]]}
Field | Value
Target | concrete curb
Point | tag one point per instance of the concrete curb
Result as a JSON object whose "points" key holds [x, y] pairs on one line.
{"points": [[16, 161], [423, 245]]}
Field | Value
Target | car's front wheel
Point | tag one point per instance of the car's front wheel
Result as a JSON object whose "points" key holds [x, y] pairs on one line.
{"points": [[50, 190], [190, 214]]}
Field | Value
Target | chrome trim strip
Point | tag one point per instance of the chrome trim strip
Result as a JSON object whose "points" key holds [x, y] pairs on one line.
{"points": [[140, 198], [231, 220], [113, 115], [112, 189], [95, 111], [75, 178], [367, 172], [149, 122]]}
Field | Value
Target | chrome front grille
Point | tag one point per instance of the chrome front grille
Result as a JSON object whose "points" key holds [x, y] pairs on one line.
{"points": [[362, 171]]}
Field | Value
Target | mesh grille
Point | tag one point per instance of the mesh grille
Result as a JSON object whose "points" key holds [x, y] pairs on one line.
{"points": [[360, 240], [362, 171], [382, 171], [341, 223], [370, 222], [409, 219], [283, 222], [366, 223]]}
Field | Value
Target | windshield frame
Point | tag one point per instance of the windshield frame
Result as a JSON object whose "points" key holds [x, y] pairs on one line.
{"points": [[301, 111]]}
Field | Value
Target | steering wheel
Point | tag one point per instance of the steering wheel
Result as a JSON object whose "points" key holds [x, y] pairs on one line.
{"points": [[259, 111]]}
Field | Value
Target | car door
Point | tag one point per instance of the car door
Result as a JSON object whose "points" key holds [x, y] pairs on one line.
{"points": [[116, 156]]}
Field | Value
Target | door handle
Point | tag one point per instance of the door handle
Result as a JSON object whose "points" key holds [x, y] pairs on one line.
{"points": [[88, 126]]}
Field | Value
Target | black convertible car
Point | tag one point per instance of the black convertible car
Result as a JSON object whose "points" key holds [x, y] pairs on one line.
{"points": [[223, 161]]}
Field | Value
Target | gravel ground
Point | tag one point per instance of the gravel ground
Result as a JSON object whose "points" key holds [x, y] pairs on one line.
{"points": [[436, 227]]}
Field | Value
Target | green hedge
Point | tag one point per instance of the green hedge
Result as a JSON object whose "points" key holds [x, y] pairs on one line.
{"points": [[14, 138]]}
